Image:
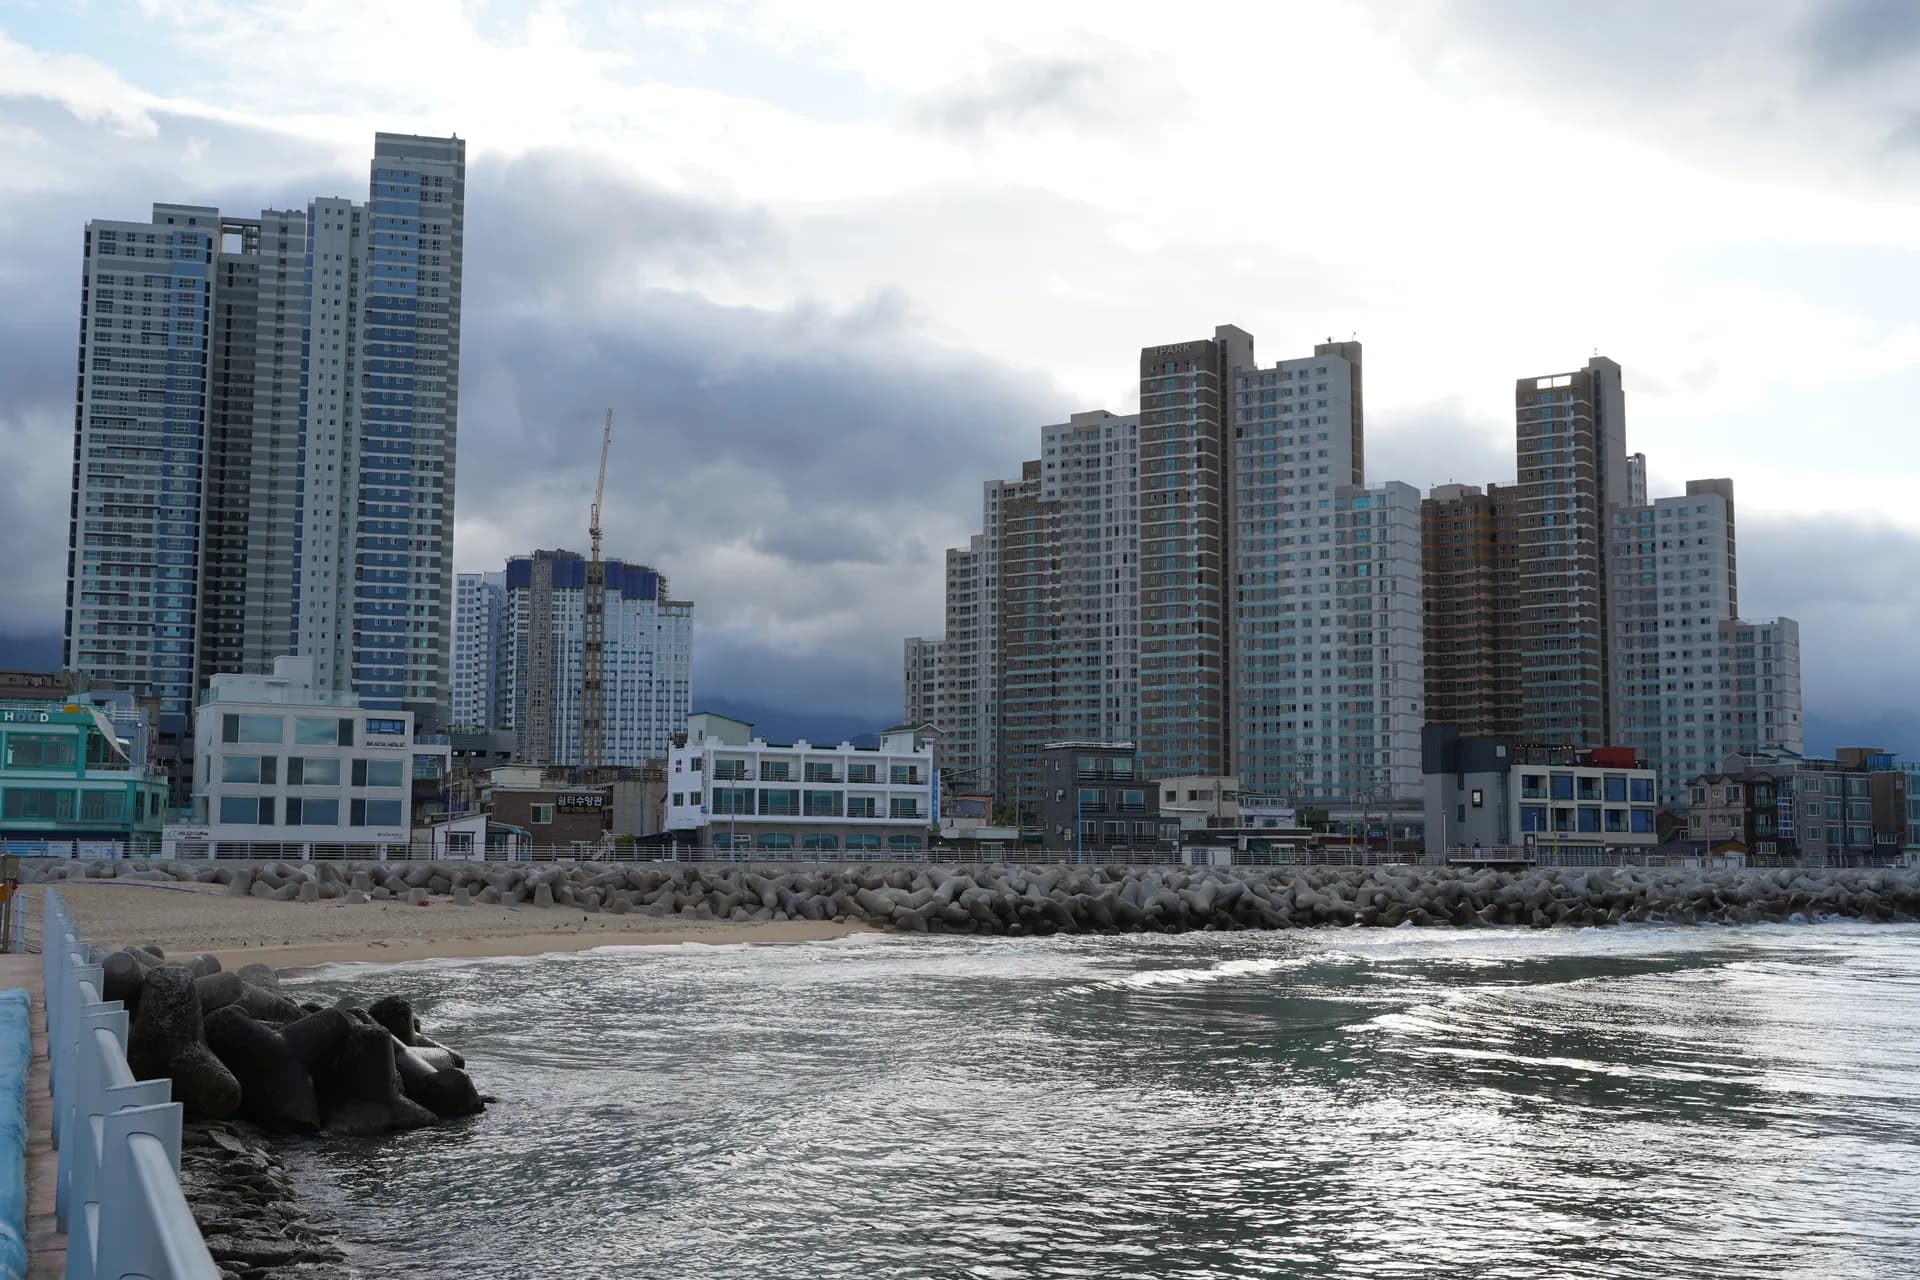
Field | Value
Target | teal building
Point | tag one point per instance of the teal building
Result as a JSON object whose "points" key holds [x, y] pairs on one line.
{"points": [[69, 785]]}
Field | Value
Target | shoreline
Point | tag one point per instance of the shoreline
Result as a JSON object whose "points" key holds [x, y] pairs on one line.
{"points": [[301, 956]]}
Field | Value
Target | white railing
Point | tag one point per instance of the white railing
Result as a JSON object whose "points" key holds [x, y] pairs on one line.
{"points": [[117, 1193]]}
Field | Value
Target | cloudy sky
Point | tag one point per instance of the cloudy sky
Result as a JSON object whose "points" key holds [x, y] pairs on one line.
{"points": [[834, 263]]}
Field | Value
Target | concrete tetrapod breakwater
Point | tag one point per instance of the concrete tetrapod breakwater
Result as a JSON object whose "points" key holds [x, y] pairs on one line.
{"points": [[235, 1047], [1016, 900]]}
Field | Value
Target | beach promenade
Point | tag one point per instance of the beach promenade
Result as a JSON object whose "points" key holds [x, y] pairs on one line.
{"points": [[34, 1174]]}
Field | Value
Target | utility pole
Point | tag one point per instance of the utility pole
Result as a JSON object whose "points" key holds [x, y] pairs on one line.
{"points": [[593, 628]]}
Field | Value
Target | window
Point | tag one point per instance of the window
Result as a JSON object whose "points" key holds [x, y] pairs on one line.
{"points": [[676, 800], [1642, 821], [903, 843], [311, 731], [861, 807], [1640, 791], [236, 728], [241, 810], [459, 842], [1479, 799], [823, 804], [867, 773], [779, 803], [1533, 786], [821, 771], [862, 842], [312, 811], [729, 770], [376, 773], [903, 775], [814, 840], [774, 840], [375, 729], [1533, 817], [733, 799], [1616, 789], [1133, 801], [1563, 786], [1616, 820], [313, 771], [541, 815], [1087, 798], [39, 804], [383, 812], [41, 750], [775, 771], [903, 807], [241, 768], [1589, 818]]}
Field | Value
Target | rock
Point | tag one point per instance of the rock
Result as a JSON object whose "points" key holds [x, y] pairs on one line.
{"points": [[542, 895], [263, 976], [397, 1016], [447, 1091], [361, 1095], [276, 1091], [167, 1039], [122, 975], [203, 964], [309, 891], [462, 898]]}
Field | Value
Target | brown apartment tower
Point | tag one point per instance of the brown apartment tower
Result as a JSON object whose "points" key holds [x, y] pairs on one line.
{"points": [[1472, 678], [1571, 455], [1185, 420]]}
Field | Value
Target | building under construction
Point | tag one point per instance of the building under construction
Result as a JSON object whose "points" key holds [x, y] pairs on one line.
{"points": [[646, 660]]}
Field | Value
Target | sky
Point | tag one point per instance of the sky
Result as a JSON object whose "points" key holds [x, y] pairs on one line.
{"points": [[833, 264]]}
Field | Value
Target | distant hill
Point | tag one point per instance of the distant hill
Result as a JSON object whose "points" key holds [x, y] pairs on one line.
{"points": [[777, 725]]}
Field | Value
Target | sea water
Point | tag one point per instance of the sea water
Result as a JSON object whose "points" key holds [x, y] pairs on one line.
{"points": [[1635, 1102]]}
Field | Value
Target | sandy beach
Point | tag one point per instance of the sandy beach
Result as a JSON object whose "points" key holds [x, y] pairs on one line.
{"points": [[187, 920]]}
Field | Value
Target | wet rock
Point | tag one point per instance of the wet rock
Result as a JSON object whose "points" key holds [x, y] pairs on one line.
{"points": [[361, 1095], [167, 1039]]}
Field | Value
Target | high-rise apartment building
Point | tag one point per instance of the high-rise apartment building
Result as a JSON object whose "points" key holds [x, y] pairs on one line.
{"points": [[1471, 679], [1686, 689], [1570, 431], [1207, 579], [1312, 662], [264, 440], [648, 659], [1185, 488], [480, 652]]}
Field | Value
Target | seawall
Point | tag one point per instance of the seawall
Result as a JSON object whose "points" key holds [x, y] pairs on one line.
{"points": [[1009, 899]]}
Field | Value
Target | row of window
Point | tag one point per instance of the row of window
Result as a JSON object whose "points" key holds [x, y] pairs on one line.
{"points": [[1614, 788], [814, 840], [1533, 817], [59, 804], [312, 771], [310, 811], [308, 731], [736, 770], [777, 802]]}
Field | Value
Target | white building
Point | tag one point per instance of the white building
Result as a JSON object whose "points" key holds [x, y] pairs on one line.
{"points": [[278, 761], [647, 659], [727, 789], [479, 651], [1690, 681], [1499, 793]]}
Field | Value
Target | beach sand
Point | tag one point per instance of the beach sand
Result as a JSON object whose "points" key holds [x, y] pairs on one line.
{"points": [[187, 920]]}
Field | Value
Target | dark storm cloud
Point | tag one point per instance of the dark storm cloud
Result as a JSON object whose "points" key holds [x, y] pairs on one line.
{"points": [[1845, 36], [1101, 91]]}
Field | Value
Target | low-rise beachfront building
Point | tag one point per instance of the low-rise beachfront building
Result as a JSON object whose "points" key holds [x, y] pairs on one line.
{"points": [[729, 790], [1845, 810], [1501, 793], [70, 785], [284, 769]]}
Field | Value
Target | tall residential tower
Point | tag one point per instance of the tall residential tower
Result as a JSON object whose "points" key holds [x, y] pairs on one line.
{"points": [[264, 437]]}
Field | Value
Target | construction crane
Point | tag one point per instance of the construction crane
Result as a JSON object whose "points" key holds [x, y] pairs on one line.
{"points": [[593, 628]]}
